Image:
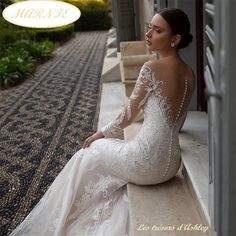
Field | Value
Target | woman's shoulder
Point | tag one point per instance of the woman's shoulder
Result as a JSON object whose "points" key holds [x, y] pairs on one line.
{"points": [[153, 64], [162, 64], [165, 67], [158, 67]]}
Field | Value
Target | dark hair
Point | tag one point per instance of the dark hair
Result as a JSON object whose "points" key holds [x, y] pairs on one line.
{"points": [[179, 24]]}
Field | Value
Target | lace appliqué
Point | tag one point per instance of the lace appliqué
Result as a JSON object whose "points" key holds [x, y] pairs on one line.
{"points": [[151, 84], [101, 213], [91, 190], [114, 126]]}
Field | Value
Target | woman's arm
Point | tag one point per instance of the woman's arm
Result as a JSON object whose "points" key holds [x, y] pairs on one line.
{"points": [[140, 93]]}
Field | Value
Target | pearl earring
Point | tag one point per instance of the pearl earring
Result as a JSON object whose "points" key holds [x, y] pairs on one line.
{"points": [[172, 45]]}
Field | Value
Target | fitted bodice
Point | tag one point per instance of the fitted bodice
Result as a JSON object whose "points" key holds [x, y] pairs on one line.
{"points": [[157, 131]]}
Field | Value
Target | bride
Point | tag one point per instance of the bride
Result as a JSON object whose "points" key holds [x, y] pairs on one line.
{"points": [[89, 195]]}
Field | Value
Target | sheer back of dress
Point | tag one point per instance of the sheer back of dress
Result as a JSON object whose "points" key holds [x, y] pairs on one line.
{"points": [[173, 98], [175, 95]]}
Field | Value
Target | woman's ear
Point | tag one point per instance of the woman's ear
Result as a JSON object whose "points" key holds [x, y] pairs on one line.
{"points": [[177, 38]]}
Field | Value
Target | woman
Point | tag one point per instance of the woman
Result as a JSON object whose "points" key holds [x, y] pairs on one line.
{"points": [[89, 196]]}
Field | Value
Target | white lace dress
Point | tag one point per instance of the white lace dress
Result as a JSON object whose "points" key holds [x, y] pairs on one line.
{"points": [[89, 195]]}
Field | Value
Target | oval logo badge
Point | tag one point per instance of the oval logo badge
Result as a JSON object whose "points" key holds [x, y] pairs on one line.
{"points": [[41, 13]]}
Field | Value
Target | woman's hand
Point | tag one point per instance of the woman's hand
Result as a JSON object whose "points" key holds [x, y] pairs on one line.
{"points": [[92, 138]]}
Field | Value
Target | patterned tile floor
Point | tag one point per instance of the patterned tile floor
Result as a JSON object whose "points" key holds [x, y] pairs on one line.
{"points": [[45, 120]]}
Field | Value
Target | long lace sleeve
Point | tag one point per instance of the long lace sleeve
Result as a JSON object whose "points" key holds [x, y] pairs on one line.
{"points": [[145, 83]]}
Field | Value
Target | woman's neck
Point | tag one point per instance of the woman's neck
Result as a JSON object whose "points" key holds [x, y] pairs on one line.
{"points": [[169, 54]]}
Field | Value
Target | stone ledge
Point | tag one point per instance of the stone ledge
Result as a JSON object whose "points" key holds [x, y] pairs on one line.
{"points": [[167, 204], [111, 69]]}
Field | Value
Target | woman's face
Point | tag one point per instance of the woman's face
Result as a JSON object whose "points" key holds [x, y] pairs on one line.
{"points": [[159, 35]]}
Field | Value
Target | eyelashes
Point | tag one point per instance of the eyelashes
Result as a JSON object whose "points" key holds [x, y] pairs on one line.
{"points": [[157, 30]]}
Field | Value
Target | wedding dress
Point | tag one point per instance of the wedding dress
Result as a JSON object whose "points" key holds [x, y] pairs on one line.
{"points": [[89, 195]]}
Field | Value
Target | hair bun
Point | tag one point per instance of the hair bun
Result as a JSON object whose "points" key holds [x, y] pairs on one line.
{"points": [[185, 40], [189, 38]]}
